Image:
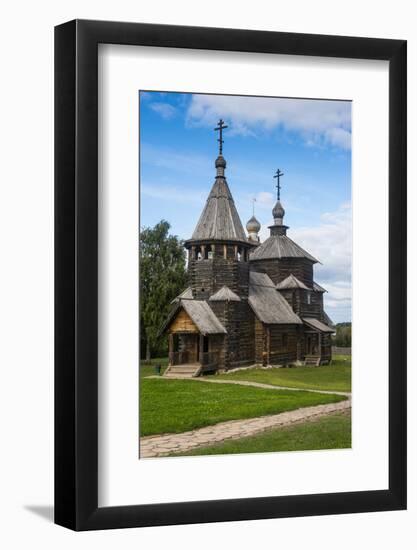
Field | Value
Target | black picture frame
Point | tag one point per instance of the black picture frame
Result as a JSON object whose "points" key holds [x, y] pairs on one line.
{"points": [[76, 272]]}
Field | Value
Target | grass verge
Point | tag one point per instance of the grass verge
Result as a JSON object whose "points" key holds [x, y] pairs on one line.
{"points": [[335, 377], [147, 368], [328, 432], [175, 406]]}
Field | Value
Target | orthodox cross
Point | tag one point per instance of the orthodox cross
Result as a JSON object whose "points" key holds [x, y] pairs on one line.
{"points": [[253, 206], [278, 174], [220, 128]]}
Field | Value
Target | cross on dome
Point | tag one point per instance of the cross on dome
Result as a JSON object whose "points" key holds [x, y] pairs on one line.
{"points": [[278, 175], [220, 129]]}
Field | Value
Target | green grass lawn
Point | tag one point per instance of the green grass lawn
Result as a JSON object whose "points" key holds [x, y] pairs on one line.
{"points": [[147, 368], [335, 377], [328, 432], [174, 406]]}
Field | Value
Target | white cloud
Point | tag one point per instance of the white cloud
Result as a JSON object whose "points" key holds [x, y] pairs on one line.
{"points": [[172, 193], [339, 137], [319, 122], [166, 110], [170, 159], [265, 199], [331, 243]]}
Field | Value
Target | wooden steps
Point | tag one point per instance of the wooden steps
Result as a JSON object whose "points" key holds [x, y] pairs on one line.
{"points": [[313, 360], [188, 370]]}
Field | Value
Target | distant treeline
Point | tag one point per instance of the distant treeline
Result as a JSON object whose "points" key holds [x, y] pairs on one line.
{"points": [[343, 336]]}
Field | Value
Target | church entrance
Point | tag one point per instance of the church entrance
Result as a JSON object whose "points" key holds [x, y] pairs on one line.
{"points": [[311, 344]]}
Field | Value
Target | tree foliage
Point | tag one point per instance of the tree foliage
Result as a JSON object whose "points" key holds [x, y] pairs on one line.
{"points": [[343, 337], [162, 277]]}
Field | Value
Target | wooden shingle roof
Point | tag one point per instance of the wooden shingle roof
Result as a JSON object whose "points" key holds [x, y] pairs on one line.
{"points": [[317, 325], [291, 282], [280, 246], [203, 317], [187, 294], [267, 303], [224, 295], [318, 288], [200, 313], [219, 219]]}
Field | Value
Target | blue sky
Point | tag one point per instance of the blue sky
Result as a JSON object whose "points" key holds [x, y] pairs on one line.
{"points": [[309, 140]]}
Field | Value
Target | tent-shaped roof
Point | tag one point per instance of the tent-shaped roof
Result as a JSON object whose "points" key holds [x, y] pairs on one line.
{"points": [[201, 314], [224, 295], [280, 246], [187, 294], [219, 219], [317, 325], [267, 303], [291, 282]]}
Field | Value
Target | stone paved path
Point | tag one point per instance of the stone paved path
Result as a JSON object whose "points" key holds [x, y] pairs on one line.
{"points": [[160, 445]]}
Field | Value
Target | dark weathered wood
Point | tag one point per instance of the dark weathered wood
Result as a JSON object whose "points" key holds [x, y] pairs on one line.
{"points": [[233, 291], [280, 269]]}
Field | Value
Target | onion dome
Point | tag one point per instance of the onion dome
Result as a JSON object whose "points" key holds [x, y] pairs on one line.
{"points": [[278, 245], [278, 213], [220, 162], [253, 226], [220, 165]]}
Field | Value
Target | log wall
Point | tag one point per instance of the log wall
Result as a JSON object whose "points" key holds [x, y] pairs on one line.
{"points": [[298, 300], [208, 276], [278, 270], [283, 341]]}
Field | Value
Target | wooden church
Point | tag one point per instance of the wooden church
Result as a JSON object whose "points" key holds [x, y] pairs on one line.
{"points": [[248, 303]]}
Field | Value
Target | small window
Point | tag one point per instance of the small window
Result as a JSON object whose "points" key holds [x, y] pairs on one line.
{"points": [[285, 342], [308, 297]]}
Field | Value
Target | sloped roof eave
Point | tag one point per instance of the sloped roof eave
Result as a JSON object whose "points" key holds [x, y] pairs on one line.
{"points": [[267, 303], [203, 317], [280, 246], [224, 295], [314, 323], [291, 282]]}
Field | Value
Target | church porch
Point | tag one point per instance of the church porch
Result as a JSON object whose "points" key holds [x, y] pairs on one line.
{"points": [[192, 354], [317, 339], [195, 339]]}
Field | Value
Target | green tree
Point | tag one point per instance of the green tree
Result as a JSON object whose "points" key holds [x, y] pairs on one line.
{"points": [[343, 336], [162, 277]]}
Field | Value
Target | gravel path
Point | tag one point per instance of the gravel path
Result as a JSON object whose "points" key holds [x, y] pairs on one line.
{"points": [[160, 445]]}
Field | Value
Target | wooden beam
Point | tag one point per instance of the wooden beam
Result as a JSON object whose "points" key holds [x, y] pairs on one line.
{"points": [[268, 345], [201, 348], [170, 347]]}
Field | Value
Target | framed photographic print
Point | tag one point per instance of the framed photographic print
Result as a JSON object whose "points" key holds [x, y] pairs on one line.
{"points": [[230, 275]]}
